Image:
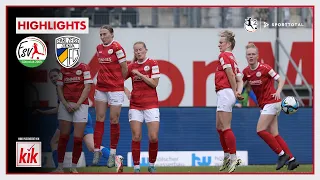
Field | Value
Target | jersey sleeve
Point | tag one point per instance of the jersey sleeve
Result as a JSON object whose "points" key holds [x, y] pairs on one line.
{"points": [[271, 72], [155, 72], [238, 72], [97, 51], [120, 53], [244, 77], [225, 61], [60, 79], [87, 79]]}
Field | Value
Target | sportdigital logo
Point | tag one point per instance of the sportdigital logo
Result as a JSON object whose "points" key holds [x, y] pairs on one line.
{"points": [[28, 154], [31, 52]]}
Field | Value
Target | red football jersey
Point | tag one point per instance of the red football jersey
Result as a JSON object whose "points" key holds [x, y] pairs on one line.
{"points": [[227, 60], [261, 80], [143, 96], [109, 75], [73, 81]]}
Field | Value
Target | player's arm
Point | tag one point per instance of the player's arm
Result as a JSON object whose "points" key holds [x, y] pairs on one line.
{"points": [[87, 86], [277, 78], [280, 84], [124, 69], [239, 83], [155, 75], [152, 82], [232, 78], [121, 56], [127, 93], [226, 65]]}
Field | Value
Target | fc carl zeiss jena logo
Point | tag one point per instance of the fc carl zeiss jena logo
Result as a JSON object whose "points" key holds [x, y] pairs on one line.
{"points": [[67, 50]]}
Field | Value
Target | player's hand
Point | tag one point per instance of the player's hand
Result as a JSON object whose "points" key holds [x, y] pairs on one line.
{"points": [[75, 107], [69, 107], [135, 72], [238, 105], [239, 96], [276, 95]]}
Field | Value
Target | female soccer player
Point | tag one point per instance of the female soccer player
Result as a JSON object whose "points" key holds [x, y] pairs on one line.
{"points": [[145, 74], [261, 78], [109, 90], [73, 89], [229, 86], [88, 132]]}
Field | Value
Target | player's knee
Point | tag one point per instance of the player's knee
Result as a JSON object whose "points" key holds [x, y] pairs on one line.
{"points": [[136, 136], [101, 117], [114, 119], [153, 137]]}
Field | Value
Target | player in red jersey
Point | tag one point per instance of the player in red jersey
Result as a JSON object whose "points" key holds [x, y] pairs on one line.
{"points": [[145, 74], [109, 91], [261, 77], [228, 82], [73, 88]]}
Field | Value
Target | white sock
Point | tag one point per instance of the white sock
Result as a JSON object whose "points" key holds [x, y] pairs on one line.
{"points": [[226, 155], [151, 164], [281, 153], [291, 159], [113, 151], [74, 165], [136, 167], [233, 157]]}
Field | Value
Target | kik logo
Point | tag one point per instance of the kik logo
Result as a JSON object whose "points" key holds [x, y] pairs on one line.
{"points": [[200, 161], [28, 154]]}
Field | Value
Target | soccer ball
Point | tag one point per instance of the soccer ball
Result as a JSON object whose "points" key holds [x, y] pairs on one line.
{"points": [[289, 105]]}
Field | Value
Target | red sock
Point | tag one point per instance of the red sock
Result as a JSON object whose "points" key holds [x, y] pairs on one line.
{"points": [[77, 149], [98, 133], [230, 140], [222, 141], [135, 148], [62, 147], [271, 141], [283, 145], [153, 151], [114, 135]]}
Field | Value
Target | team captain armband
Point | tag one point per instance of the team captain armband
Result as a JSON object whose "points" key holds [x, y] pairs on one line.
{"points": [[155, 71], [273, 74], [225, 63]]}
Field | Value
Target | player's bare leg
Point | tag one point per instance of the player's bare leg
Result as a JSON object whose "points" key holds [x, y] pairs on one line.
{"points": [[226, 157], [136, 130], [153, 131], [101, 109], [230, 140], [89, 141], [65, 128], [114, 133], [264, 122], [273, 129]]}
